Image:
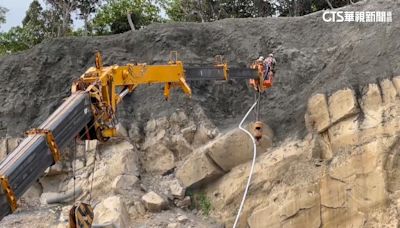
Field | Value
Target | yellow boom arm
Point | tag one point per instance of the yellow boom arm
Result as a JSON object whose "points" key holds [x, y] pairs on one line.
{"points": [[108, 85]]}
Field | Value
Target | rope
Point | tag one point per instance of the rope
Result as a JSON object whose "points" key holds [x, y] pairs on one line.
{"points": [[252, 164], [73, 169], [94, 167], [73, 163]]}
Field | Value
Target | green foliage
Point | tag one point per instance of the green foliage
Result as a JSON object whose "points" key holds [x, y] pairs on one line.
{"points": [[37, 25], [174, 9], [211, 10], [113, 16], [33, 25], [14, 40], [203, 203]]}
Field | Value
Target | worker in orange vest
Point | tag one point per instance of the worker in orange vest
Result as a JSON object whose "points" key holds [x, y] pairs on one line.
{"points": [[269, 65], [267, 69]]}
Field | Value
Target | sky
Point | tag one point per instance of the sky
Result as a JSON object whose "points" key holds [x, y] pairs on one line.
{"points": [[16, 13]]}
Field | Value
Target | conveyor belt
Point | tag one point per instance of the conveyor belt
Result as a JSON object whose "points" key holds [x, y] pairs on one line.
{"points": [[213, 73], [32, 157]]}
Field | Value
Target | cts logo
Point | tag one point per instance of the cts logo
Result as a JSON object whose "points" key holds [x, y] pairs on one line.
{"points": [[333, 16]]}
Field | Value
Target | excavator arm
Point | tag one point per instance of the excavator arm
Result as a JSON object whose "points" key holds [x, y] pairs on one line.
{"points": [[89, 113]]}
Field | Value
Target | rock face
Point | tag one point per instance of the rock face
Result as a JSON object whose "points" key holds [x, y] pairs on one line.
{"points": [[318, 113], [344, 174]]}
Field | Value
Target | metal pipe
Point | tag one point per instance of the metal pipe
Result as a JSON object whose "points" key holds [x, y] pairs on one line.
{"points": [[123, 93]]}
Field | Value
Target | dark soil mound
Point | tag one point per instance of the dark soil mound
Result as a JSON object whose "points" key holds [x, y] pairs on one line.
{"points": [[313, 56]]}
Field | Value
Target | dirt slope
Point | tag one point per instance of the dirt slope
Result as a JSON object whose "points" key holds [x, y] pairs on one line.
{"points": [[312, 56]]}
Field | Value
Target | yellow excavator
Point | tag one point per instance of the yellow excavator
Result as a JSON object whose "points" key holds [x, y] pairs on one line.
{"points": [[90, 113]]}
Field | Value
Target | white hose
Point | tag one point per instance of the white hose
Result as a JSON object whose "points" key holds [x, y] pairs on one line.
{"points": [[252, 164]]}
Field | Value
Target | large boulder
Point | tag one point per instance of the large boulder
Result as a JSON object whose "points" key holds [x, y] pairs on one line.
{"points": [[123, 184], [236, 147], [112, 210], [117, 159], [158, 159], [12, 143], [197, 169]]}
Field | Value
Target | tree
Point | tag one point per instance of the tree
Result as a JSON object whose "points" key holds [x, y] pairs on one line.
{"points": [[112, 17], [37, 25], [174, 9], [3, 12], [34, 24], [13, 40], [303, 7], [210, 10], [86, 8], [61, 11]]}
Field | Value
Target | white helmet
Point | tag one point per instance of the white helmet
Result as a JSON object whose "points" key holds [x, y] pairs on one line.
{"points": [[261, 58], [271, 55]]}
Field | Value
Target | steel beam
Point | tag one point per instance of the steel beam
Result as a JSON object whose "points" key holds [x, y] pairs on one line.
{"points": [[32, 157], [213, 73]]}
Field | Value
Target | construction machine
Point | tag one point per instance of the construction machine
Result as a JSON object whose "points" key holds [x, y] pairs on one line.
{"points": [[90, 113]]}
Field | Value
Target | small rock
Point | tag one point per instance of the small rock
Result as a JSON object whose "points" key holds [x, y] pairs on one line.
{"points": [[91, 145], [177, 190], [134, 133], [153, 202], [212, 133], [137, 209], [182, 218], [12, 143], [188, 133], [173, 225], [3, 148], [55, 169], [140, 208], [62, 225], [179, 118], [150, 126], [121, 130], [78, 164], [184, 203], [64, 215]]}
